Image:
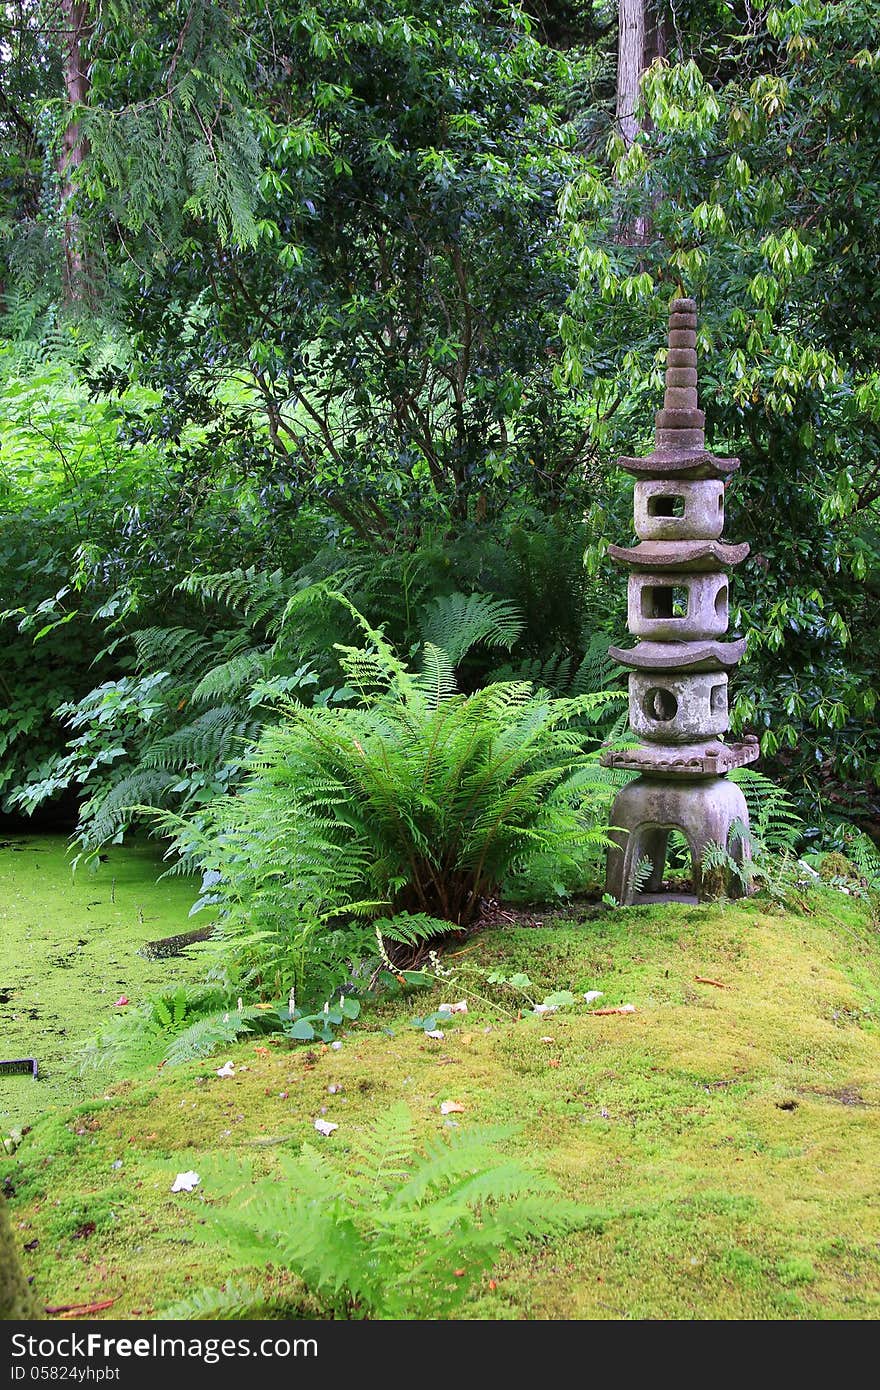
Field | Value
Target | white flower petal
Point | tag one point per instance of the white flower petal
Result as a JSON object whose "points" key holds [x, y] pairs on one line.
{"points": [[185, 1182]]}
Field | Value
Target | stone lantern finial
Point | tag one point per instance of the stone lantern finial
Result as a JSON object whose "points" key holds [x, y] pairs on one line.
{"points": [[679, 426], [678, 607]]}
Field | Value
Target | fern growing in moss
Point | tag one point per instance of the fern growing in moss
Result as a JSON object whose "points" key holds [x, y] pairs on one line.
{"points": [[175, 735], [174, 1026], [397, 1231]]}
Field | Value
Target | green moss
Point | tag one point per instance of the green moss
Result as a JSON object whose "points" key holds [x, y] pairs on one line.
{"points": [[727, 1130]]}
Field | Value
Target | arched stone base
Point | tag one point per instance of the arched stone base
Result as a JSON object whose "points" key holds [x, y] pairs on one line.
{"points": [[647, 809]]}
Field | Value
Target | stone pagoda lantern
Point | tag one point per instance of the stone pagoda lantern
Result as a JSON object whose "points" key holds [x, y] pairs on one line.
{"points": [[678, 604]]}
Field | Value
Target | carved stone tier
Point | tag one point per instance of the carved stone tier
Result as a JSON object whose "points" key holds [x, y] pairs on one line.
{"points": [[703, 759], [677, 607], [678, 509], [682, 557], [678, 706], [679, 462], [681, 656]]}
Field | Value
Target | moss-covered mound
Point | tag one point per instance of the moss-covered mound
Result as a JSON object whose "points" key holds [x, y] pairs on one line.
{"points": [[728, 1127]]}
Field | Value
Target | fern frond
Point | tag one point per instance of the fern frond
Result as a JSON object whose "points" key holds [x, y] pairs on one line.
{"points": [[215, 737], [176, 649], [232, 677], [207, 1034], [436, 679], [234, 1302], [456, 623]]}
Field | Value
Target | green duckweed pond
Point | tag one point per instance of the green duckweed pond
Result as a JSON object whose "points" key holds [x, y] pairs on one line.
{"points": [[69, 949]]}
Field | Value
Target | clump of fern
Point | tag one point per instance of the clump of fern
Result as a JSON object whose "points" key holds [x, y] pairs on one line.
{"points": [[415, 799], [176, 1025], [396, 1231]]}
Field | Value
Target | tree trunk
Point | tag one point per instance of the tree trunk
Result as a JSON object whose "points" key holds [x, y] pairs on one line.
{"points": [[74, 146], [630, 65], [17, 1300], [642, 37]]}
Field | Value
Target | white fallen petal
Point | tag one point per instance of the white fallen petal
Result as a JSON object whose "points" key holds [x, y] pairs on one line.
{"points": [[459, 1008], [548, 1039], [592, 995], [228, 1069], [435, 1033], [185, 1182], [451, 1107], [325, 1127], [335, 1046], [544, 1009]]}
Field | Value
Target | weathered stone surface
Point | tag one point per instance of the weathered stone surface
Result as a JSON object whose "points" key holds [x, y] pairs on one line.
{"points": [[669, 419], [680, 557], [680, 656], [682, 338], [672, 707], [678, 600], [669, 439], [671, 463], [681, 376], [708, 758], [681, 397], [700, 506], [677, 608], [647, 809]]}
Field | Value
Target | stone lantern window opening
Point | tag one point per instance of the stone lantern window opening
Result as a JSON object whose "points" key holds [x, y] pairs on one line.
{"points": [[665, 505], [659, 703], [664, 601]]}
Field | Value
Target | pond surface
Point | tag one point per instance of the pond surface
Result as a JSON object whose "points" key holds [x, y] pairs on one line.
{"points": [[69, 950]]}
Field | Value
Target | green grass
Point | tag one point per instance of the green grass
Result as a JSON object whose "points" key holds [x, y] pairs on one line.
{"points": [[728, 1134], [68, 951]]}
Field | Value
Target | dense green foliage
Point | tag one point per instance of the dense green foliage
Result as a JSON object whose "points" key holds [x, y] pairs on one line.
{"points": [[366, 299]]}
